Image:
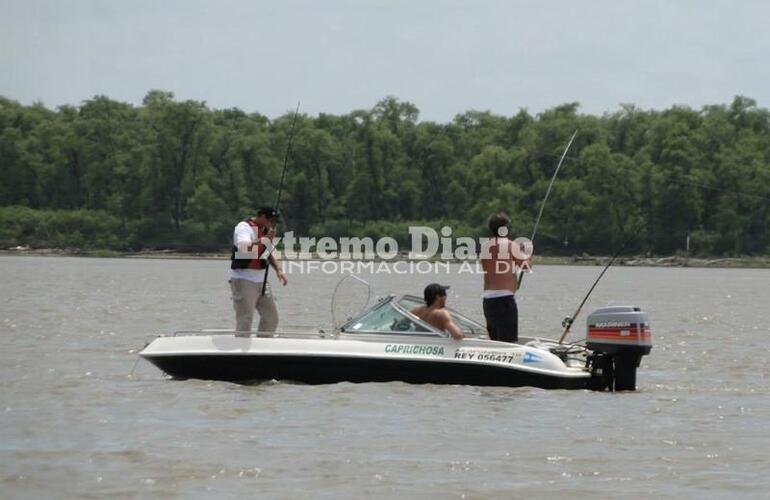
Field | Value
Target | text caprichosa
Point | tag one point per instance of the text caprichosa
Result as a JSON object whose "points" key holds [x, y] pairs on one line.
{"points": [[415, 349]]}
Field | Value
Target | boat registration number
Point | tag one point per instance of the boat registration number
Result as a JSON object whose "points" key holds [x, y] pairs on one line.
{"points": [[488, 356]]}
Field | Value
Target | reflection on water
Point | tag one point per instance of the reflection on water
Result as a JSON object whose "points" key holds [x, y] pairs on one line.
{"points": [[75, 424]]}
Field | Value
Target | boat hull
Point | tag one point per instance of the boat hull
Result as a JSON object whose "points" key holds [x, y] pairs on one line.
{"points": [[332, 369]]}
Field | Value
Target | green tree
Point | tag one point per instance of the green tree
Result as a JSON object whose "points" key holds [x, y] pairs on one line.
{"points": [[178, 134]]}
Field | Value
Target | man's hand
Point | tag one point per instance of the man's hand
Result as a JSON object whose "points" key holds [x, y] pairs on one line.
{"points": [[282, 278]]}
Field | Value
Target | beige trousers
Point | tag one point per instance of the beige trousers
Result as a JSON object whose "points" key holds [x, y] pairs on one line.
{"points": [[247, 296]]}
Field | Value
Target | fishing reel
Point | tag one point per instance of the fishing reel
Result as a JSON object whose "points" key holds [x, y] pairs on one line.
{"points": [[567, 322]]}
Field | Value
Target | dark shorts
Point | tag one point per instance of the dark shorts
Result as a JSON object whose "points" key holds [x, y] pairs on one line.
{"points": [[502, 318]]}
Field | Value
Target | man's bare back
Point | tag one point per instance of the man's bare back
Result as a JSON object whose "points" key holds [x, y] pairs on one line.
{"points": [[499, 265], [440, 318], [501, 260]]}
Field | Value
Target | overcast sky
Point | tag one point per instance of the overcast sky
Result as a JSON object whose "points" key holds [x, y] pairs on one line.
{"points": [[335, 56]]}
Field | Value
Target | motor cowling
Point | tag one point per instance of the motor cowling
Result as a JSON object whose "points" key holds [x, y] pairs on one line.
{"points": [[619, 337]]}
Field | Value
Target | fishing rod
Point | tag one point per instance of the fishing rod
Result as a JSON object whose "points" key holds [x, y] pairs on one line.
{"points": [[547, 193], [567, 323], [280, 190]]}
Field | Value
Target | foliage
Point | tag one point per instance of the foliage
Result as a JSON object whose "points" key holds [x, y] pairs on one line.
{"points": [[107, 174]]}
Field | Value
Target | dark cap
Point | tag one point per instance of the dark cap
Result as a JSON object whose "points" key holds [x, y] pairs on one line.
{"points": [[269, 212], [432, 291]]}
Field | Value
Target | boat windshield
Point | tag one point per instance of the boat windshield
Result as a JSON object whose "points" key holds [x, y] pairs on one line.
{"points": [[469, 327], [387, 317], [391, 315]]}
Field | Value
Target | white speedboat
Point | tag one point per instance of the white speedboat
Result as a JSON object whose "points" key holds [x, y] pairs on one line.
{"points": [[385, 342]]}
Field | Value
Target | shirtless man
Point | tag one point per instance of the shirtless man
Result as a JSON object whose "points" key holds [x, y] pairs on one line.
{"points": [[433, 311], [499, 262]]}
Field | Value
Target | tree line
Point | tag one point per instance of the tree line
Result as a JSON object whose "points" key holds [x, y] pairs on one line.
{"points": [[178, 174]]}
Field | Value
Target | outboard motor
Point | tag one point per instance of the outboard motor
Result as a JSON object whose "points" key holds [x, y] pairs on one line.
{"points": [[619, 336]]}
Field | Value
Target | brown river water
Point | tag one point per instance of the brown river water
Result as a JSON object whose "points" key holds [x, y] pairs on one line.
{"points": [[75, 424]]}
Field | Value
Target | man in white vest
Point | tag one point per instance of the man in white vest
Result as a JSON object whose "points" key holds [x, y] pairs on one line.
{"points": [[248, 267]]}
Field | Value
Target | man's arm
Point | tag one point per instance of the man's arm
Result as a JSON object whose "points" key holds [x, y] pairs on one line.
{"points": [[519, 264], [487, 271], [267, 241], [278, 270], [449, 326], [244, 238]]}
